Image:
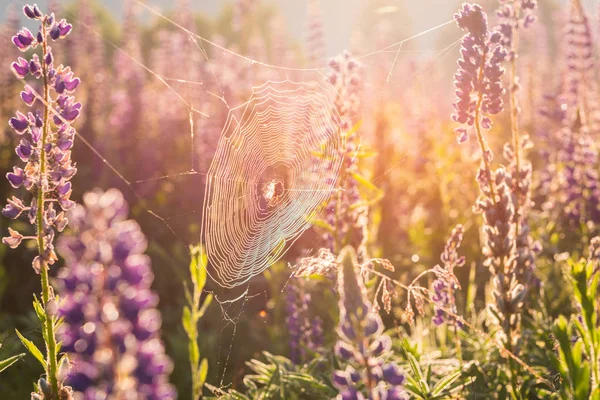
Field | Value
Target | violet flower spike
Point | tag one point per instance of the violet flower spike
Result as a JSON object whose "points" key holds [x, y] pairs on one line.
{"points": [[107, 303], [45, 151], [362, 346], [478, 81]]}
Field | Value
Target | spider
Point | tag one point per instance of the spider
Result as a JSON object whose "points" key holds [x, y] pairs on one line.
{"points": [[272, 191]]}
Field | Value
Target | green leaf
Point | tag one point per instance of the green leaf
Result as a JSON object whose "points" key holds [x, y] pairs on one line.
{"points": [[201, 269], [186, 321], [413, 386], [414, 366], [319, 223], [194, 352], [194, 265], [32, 349], [445, 382], [203, 371], [10, 361], [39, 310], [205, 305]]}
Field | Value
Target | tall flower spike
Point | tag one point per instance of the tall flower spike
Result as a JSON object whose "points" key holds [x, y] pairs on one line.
{"points": [[344, 213], [306, 333], [580, 86], [478, 81], [315, 42], [45, 150], [111, 329], [362, 345], [446, 282], [574, 188], [513, 15]]}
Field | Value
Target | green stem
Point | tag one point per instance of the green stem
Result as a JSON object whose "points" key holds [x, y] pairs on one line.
{"points": [[48, 324], [194, 363]]}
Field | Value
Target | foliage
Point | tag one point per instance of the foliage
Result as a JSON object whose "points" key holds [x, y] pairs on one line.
{"points": [[578, 339], [192, 313], [279, 378]]}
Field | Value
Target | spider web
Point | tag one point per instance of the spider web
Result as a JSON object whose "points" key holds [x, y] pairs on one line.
{"points": [[255, 189]]}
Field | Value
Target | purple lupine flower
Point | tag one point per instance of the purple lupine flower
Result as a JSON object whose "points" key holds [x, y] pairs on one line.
{"points": [[21, 67], [362, 346], [111, 329], [580, 87], [512, 15], [48, 164], [498, 236], [23, 39], [446, 282], [478, 81], [48, 168], [520, 184], [573, 191], [344, 213], [315, 40], [306, 333], [294, 325]]}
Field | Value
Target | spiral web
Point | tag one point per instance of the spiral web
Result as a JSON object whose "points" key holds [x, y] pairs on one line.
{"points": [[266, 182], [276, 162]]}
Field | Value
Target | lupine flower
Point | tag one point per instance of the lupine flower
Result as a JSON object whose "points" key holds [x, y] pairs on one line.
{"points": [[478, 81], [315, 41], [446, 282], [514, 14], [520, 183], [111, 325], [574, 191], [498, 240], [45, 150], [362, 346], [127, 98], [306, 333], [344, 213], [580, 85]]}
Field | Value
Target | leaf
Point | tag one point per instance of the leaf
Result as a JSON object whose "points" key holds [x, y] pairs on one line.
{"points": [[194, 265], [414, 366], [413, 386], [203, 371], [32, 349], [471, 289], [198, 264], [319, 223], [445, 382], [39, 310], [10, 361], [201, 269], [205, 305], [194, 352], [186, 321]]}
